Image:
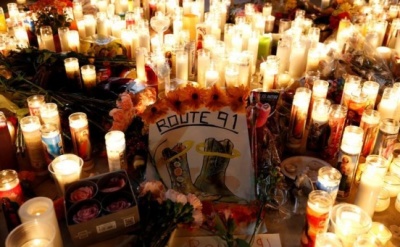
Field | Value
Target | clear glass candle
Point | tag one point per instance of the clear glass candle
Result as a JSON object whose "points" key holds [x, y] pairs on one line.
{"points": [[370, 124], [392, 184], [66, 169], [80, 136], [34, 104], [115, 145], [381, 232], [89, 79], [383, 201], [10, 186]]}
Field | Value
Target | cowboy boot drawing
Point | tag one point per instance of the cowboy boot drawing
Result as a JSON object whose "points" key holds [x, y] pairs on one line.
{"points": [[179, 172], [212, 175]]}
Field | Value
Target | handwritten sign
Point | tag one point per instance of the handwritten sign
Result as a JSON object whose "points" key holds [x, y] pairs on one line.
{"points": [[204, 152], [261, 240]]}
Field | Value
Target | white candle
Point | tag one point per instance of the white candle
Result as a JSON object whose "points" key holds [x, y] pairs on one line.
{"points": [[237, 43], [115, 145], [30, 127], [63, 35], [298, 53], [90, 25], [383, 52], [388, 105], [80, 136], [392, 184], [371, 88], [73, 41], [21, 36], [368, 190], [211, 76], [270, 73], [89, 76], [396, 88], [41, 209], [117, 27], [81, 28], [102, 24], [102, 5], [320, 112], [313, 58], [381, 232], [66, 169], [351, 84], [34, 104], [320, 89], [283, 53], [231, 75], [77, 9], [203, 58], [182, 68], [71, 67], [46, 35], [49, 115]]}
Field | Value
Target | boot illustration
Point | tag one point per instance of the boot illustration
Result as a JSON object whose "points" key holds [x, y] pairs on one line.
{"points": [[215, 162], [179, 171]]}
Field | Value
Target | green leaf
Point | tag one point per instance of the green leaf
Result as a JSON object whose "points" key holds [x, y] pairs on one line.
{"points": [[241, 243]]}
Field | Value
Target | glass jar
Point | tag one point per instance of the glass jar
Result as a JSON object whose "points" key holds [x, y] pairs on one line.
{"points": [[10, 186]]}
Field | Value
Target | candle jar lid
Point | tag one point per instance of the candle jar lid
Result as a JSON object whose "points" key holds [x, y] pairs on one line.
{"points": [[8, 179]]}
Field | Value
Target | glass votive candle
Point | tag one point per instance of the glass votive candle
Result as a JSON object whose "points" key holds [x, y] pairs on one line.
{"points": [[66, 169], [383, 201], [328, 180], [34, 104], [71, 67], [89, 76], [32, 233], [327, 239], [395, 166], [366, 240], [351, 221], [397, 203], [381, 232], [392, 184], [115, 145], [10, 186]]}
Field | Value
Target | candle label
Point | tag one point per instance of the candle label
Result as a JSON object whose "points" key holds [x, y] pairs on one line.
{"points": [[14, 194], [297, 124], [318, 135], [53, 147], [190, 48], [370, 134], [34, 111], [346, 165], [384, 144], [336, 127], [81, 143], [354, 113]]}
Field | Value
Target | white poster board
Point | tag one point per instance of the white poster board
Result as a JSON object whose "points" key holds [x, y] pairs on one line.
{"points": [[204, 152]]}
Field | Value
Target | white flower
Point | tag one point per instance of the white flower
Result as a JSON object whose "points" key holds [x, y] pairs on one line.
{"points": [[176, 196]]}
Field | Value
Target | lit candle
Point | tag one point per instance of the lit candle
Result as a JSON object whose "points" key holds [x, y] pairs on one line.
{"points": [[90, 25], [395, 166], [350, 149], [320, 89], [46, 35], [243, 61], [203, 58], [284, 80], [33, 139], [63, 35], [356, 106], [72, 68], [328, 180], [267, 9], [264, 46], [313, 58], [41, 209], [189, 23], [352, 82], [115, 145], [88, 73], [34, 104], [387, 137], [66, 169], [369, 188], [269, 24], [102, 24], [327, 239], [52, 142], [337, 119], [10, 186], [32, 234], [383, 201], [298, 116], [140, 63], [182, 66], [271, 73], [211, 76], [381, 232], [81, 23], [77, 10], [388, 104], [371, 89], [49, 115], [370, 124], [21, 36], [298, 53], [80, 136], [73, 41], [231, 75], [319, 127], [283, 53], [117, 26]]}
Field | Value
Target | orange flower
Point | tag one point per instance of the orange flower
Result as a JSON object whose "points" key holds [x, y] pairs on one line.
{"points": [[238, 98], [193, 97], [175, 102], [154, 112], [216, 98]]}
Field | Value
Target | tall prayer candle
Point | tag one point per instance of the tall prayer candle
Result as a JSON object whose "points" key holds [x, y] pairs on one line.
{"points": [[371, 89], [52, 142], [90, 25], [182, 68], [189, 23], [231, 75], [46, 35], [211, 76], [356, 106], [41, 209], [88, 73], [352, 82], [319, 128], [387, 137], [80, 136], [73, 40], [63, 35], [370, 124], [271, 73], [298, 53], [350, 149], [388, 104], [203, 59], [34, 104], [77, 9], [320, 89], [264, 46], [49, 115], [283, 53], [71, 67], [33, 139], [298, 116]]}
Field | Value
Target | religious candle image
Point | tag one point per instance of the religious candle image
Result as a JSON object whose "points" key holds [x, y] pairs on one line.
{"points": [[115, 144], [10, 186], [41, 209], [370, 124], [350, 149], [352, 83], [298, 116], [371, 89], [319, 128], [79, 127], [34, 104], [66, 169], [356, 106], [52, 142], [30, 127], [387, 137]]}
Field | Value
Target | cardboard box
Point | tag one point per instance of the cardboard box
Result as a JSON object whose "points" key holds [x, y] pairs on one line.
{"points": [[105, 226]]}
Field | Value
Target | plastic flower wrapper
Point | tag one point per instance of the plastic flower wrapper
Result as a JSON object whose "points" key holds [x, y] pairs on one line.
{"points": [[162, 211]]}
